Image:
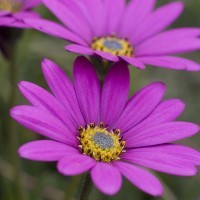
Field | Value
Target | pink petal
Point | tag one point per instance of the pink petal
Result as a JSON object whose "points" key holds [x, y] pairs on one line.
{"points": [[31, 3], [106, 178], [172, 159], [114, 93], [63, 89], [54, 29], [40, 98], [114, 10], [26, 14], [140, 106], [75, 164], [79, 49], [168, 42], [6, 21], [107, 56], [134, 14], [87, 89], [45, 150], [134, 61], [157, 21], [166, 111], [162, 133], [44, 123], [141, 178], [171, 62], [69, 18]]}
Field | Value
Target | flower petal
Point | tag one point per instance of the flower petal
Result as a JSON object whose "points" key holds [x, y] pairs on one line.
{"points": [[157, 21], [40, 98], [31, 3], [172, 159], [79, 49], [54, 29], [166, 111], [87, 89], [141, 178], [167, 42], [63, 89], [45, 150], [44, 123], [6, 21], [75, 164], [136, 11], [69, 18], [107, 56], [106, 178], [134, 61], [114, 10], [171, 62], [114, 93], [162, 133], [140, 106]]}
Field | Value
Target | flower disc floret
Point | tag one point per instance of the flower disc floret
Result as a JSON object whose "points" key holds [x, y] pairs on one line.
{"points": [[113, 45], [10, 5], [101, 144]]}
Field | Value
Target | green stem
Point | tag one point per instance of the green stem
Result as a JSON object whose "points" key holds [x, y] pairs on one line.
{"points": [[13, 138], [86, 189], [72, 187]]}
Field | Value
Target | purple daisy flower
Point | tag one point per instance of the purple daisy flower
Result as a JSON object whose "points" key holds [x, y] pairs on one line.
{"points": [[102, 131], [113, 30], [12, 12]]}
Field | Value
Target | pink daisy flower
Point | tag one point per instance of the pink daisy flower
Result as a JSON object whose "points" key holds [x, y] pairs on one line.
{"points": [[12, 12], [113, 31], [102, 131]]}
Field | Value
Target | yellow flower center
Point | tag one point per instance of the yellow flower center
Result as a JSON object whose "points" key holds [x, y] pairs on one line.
{"points": [[10, 5], [100, 144], [113, 45]]}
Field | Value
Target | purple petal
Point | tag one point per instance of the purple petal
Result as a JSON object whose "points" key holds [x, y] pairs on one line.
{"points": [[6, 21], [114, 93], [69, 18], [79, 49], [25, 14], [4, 13], [44, 123], [63, 89], [75, 164], [166, 111], [114, 10], [54, 29], [168, 42], [40, 98], [141, 178], [137, 10], [97, 17], [171, 62], [106, 178], [134, 61], [31, 3], [107, 56], [45, 150], [140, 105], [87, 89], [162, 133], [157, 21], [172, 159]]}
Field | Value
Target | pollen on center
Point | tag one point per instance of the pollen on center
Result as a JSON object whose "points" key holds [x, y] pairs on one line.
{"points": [[114, 45], [10, 5], [101, 144]]}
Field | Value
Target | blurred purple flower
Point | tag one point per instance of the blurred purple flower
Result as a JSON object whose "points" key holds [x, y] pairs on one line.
{"points": [[12, 12], [113, 30], [101, 130]]}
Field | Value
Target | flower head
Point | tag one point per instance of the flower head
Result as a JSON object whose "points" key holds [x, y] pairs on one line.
{"points": [[12, 12], [116, 31], [102, 131]]}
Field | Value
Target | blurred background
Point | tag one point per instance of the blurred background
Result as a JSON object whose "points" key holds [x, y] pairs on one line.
{"points": [[27, 180]]}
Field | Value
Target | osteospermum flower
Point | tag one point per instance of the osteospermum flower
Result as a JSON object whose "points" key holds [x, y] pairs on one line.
{"points": [[102, 131], [12, 12], [113, 30]]}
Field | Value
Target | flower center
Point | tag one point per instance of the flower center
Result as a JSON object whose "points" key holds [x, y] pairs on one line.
{"points": [[10, 5], [101, 144], [113, 45]]}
